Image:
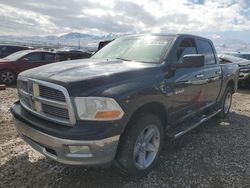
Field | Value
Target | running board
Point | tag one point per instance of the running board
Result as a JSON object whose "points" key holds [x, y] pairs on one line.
{"points": [[204, 118]]}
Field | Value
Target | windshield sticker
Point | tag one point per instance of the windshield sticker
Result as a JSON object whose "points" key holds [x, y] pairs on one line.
{"points": [[159, 43]]}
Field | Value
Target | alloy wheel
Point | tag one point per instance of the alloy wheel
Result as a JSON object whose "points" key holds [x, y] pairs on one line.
{"points": [[7, 77], [146, 147]]}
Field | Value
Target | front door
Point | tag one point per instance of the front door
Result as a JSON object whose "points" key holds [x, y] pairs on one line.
{"points": [[187, 83], [30, 61]]}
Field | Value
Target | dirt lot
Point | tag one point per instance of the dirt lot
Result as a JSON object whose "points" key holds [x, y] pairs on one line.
{"points": [[216, 154]]}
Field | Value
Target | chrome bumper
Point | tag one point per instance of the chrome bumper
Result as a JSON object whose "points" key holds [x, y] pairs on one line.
{"points": [[73, 152]]}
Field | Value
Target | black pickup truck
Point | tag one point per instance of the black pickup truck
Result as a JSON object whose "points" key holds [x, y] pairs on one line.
{"points": [[118, 106]]}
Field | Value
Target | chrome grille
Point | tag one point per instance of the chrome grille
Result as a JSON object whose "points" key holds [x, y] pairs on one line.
{"points": [[47, 100], [55, 111], [51, 93]]}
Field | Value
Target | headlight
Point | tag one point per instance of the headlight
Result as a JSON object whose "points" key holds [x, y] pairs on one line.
{"points": [[98, 108]]}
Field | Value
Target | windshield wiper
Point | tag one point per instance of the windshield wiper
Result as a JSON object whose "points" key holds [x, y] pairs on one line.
{"points": [[123, 59], [137, 61]]}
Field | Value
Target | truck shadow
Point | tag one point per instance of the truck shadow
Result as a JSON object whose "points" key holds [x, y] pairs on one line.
{"points": [[11, 86], [197, 155], [243, 91]]}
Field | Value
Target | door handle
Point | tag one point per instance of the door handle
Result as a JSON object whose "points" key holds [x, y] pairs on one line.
{"points": [[218, 72], [199, 75]]}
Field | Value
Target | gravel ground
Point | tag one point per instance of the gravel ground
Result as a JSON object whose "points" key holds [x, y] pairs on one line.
{"points": [[216, 154]]}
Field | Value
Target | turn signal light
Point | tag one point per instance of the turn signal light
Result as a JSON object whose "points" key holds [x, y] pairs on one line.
{"points": [[108, 115]]}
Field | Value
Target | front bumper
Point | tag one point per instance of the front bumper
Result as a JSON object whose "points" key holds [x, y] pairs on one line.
{"points": [[73, 152]]}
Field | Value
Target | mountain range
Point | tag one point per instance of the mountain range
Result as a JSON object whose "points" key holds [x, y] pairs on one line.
{"points": [[90, 42], [73, 39]]}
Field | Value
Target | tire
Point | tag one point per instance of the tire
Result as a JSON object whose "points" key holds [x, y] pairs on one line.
{"points": [[242, 84], [7, 77], [143, 137], [226, 102]]}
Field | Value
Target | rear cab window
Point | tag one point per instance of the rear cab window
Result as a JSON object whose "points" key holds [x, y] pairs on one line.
{"points": [[205, 48]]}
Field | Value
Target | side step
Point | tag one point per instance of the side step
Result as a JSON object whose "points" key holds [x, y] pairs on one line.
{"points": [[186, 127]]}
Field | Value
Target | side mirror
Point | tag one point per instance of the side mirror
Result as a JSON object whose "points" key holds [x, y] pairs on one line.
{"points": [[25, 59], [191, 61]]}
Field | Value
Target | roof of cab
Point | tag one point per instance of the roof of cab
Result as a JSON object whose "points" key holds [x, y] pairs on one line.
{"points": [[168, 34]]}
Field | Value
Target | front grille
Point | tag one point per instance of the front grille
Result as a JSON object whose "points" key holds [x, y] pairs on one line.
{"points": [[55, 111], [47, 100], [51, 93]]}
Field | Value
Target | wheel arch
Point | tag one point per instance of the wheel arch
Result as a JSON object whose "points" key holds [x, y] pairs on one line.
{"points": [[231, 84], [155, 108], [8, 69]]}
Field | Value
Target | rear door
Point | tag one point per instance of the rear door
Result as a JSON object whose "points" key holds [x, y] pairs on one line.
{"points": [[212, 71]]}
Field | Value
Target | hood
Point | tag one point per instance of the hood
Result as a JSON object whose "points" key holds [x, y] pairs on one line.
{"points": [[4, 61], [84, 69]]}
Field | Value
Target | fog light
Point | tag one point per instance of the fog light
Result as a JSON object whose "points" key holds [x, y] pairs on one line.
{"points": [[79, 151]]}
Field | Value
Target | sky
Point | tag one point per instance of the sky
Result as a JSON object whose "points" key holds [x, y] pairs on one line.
{"points": [[55, 17]]}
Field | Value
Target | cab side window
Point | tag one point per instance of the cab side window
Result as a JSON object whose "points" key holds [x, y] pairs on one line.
{"points": [[34, 57], [204, 47], [186, 47]]}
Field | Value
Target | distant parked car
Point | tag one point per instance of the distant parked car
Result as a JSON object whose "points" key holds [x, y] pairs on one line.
{"points": [[15, 63], [64, 55], [6, 50], [103, 43], [244, 65]]}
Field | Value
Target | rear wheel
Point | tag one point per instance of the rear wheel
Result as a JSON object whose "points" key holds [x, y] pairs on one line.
{"points": [[141, 145], [7, 77], [226, 102]]}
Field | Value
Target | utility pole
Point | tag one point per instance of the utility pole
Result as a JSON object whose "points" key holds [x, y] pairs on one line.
{"points": [[79, 44]]}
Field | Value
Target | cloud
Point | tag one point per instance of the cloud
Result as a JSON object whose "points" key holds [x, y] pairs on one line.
{"points": [[135, 11], [45, 17], [18, 21], [199, 2]]}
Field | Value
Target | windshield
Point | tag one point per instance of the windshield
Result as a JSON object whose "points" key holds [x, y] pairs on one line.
{"points": [[17, 55], [147, 49]]}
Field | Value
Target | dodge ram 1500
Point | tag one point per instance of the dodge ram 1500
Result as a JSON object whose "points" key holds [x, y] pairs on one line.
{"points": [[119, 105]]}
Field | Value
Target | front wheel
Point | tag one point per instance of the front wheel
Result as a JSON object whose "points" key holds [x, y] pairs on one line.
{"points": [[141, 145], [7, 77]]}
